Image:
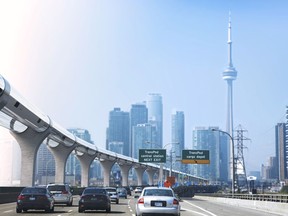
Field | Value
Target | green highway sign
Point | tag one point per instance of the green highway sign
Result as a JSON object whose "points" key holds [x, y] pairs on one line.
{"points": [[152, 155], [195, 157]]}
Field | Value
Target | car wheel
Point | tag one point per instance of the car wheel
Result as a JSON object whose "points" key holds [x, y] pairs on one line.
{"points": [[117, 201], [80, 210], [18, 210], [70, 203], [108, 209]]}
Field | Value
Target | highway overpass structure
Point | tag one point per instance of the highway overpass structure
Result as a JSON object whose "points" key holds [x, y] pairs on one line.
{"points": [[30, 128]]}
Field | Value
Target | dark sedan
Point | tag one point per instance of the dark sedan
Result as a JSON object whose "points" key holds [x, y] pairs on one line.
{"points": [[94, 199], [37, 198]]}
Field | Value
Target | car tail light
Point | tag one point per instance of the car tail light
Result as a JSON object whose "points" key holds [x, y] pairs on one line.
{"points": [[21, 197], [141, 200], [82, 198], [64, 192], [175, 202]]}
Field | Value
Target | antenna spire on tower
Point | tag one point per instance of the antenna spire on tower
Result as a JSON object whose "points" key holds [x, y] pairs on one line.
{"points": [[230, 64]]}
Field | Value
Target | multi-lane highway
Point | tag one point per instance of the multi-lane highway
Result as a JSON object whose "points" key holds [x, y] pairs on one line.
{"points": [[126, 207]]}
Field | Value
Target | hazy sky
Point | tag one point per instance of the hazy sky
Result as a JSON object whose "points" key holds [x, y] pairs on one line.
{"points": [[77, 60]]}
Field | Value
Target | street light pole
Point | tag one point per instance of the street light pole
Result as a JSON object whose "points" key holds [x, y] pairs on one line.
{"points": [[161, 165], [232, 157], [170, 173]]}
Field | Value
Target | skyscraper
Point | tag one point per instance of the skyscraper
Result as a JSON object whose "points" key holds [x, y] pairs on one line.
{"points": [[81, 133], [155, 116], [73, 165], [138, 115], [216, 143], [178, 138], [119, 130], [230, 75], [143, 137], [280, 149]]}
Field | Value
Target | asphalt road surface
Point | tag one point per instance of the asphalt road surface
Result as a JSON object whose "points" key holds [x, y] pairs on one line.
{"points": [[126, 207]]}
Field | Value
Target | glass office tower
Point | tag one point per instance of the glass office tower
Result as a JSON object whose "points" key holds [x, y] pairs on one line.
{"points": [[155, 116]]}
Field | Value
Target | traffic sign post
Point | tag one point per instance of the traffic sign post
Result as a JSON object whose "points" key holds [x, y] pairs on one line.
{"points": [[195, 157], [152, 155]]}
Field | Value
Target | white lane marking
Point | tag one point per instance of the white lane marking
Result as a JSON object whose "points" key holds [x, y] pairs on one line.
{"points": [[8, 211], [200, 208], [195, 212]]}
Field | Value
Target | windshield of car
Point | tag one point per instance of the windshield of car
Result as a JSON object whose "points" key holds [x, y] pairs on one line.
{"points": [[158, 192], [34, 190], [94, 191]]}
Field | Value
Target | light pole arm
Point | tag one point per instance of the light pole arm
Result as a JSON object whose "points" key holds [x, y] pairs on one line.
{"points": [[232, 158]]}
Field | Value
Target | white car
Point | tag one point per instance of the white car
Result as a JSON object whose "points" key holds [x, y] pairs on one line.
{"points": [[157, 200], [138, 190]]}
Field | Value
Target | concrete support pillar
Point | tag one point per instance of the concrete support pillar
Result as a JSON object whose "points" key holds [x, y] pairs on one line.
{"points": [[106, 165], [125, 173], [61, 153], [85, 161], [151, 173], [139, 172], [29, 142]]}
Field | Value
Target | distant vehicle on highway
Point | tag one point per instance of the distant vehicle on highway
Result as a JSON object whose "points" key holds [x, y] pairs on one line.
{"points": [[94, 198], [62, 193], [122, 192], [114, 197], [38, 198], [157, 200], [128, 189], [138, 190]]}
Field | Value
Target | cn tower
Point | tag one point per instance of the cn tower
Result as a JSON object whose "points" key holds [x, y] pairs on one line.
{"points": [[230, 75]]}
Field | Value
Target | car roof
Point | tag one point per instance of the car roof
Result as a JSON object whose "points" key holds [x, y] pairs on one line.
{"points": [[161, 188], [92, 187]]}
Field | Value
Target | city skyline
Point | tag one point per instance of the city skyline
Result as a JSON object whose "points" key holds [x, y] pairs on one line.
{"points": [[84, 60]]}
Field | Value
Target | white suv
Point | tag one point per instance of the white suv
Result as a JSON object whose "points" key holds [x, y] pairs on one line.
{"points": [[62, 193]]}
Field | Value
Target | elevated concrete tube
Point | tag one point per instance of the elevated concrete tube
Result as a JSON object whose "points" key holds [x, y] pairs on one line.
{"points": [[85, 161], [150, 172], [106, 165], [29, 142], [139, 172], [61, 153], [125, 173]]}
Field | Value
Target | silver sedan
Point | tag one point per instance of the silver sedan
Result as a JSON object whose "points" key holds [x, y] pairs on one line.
{"points": [[157, 200]]}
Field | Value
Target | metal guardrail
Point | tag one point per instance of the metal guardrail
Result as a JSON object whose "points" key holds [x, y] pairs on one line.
{"points": [[282, 198], [261, 197]]}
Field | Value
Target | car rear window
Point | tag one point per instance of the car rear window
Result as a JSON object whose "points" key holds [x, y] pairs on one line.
{"points": [[158, 192], [34, 190], [111, 190], [56, 188], [94, 191]]}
